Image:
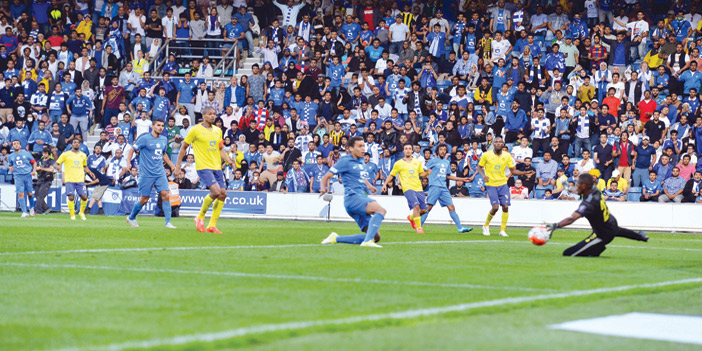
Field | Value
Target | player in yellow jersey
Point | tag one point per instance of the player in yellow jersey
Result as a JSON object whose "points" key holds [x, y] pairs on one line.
{"points": [[410, 170], [206, 140], [75, 166], [492, 167]]}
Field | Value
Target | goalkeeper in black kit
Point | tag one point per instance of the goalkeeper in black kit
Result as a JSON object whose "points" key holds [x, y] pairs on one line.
{"points": [[604, 225]]}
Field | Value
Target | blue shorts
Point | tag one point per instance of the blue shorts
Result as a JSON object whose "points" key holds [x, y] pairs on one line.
{"points": [[210, 177], [75, 188], [356, 208], [415, 198], [498, 195], [23, 183], [440, 193], [146, 183]]}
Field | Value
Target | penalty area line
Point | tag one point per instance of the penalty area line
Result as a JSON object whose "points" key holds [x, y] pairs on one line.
{"points": [[272, 276], [408, 314]]}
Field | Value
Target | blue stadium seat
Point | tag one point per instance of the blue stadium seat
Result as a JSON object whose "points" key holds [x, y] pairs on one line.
{"points": [[538, 193], [634, 193]]}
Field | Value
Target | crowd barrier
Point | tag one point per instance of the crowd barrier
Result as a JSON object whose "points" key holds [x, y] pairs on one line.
{"points": [[296, 206]]}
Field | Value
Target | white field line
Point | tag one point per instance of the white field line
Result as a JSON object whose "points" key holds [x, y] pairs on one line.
{"points": [[185, 248], [408, 314], [438, 242], [271, 276]]}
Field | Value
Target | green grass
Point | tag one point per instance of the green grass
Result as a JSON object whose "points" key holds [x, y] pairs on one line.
{"points": [[84, 300]]}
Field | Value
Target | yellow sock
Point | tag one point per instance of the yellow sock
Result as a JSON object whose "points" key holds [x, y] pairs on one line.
{"points": [[216, 211], [417, 221], [205, 206], [489, 218], [83, 205], [505, 216], [71, 208]]}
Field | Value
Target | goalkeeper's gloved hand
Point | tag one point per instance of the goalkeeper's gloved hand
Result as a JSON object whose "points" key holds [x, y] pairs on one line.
{"points": [[551, 228]]}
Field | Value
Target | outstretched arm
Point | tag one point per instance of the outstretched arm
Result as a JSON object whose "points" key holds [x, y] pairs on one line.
{"points": [[564, 223]]}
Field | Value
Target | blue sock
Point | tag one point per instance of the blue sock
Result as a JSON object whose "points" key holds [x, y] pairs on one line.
{"points": [[424, 217], [23, 204], [167, 210], [31, 202], [373, 226], [350, 239], [135, 210], [456, 220]]}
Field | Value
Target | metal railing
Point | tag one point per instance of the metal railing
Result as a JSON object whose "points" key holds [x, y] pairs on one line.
{"points": [[227, 58]]}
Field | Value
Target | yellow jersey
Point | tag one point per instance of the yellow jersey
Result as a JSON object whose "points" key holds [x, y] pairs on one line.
{"points": [[74, 164], [495, 167], [206, 145], [408, 174]]}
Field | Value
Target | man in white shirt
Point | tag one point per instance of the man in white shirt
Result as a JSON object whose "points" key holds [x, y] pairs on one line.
{"points": [[289, 11], [399, 32], [384, 110], [618, 86], [500, 47], [639, 33], [169, 24], [522, 151], [366, 83], [136, 22]]}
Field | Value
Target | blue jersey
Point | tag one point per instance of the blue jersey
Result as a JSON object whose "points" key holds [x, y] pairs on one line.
{"points": [[186, 91], [439, 168], [151, 150], [351, 31], [144, 101], [336, 73], [57, 101], [352, 174], [161, 108], [316, 172], [372, 169], [277, 95], [21, 162], [80, 106]]}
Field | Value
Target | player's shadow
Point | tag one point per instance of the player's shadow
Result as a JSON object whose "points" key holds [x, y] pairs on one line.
{"points": [[324, 211]]}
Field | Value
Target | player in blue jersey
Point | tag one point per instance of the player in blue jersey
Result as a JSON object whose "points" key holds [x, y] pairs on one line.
{"points": [[367, 213], [152, 154], [438, 168], [23, 167]]}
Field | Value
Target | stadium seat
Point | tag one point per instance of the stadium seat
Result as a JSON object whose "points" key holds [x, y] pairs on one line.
{"points": [[634, 194], [539, 193]]}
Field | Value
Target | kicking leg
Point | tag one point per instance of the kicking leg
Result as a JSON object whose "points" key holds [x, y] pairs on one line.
{"points": [[136, 209], [630, 234], [457, 220], [426, 214]]}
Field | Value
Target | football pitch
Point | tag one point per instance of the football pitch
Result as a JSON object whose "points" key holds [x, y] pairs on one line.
{"points": [[269, 285]]}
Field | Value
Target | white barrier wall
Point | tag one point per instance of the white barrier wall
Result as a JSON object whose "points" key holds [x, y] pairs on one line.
{"points": [[644, 216]]}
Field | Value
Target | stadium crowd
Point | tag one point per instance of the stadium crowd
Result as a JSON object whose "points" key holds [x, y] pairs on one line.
{"points": [[608, 87]]}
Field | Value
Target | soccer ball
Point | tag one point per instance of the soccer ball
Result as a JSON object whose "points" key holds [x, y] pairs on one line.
{"points": [[538, 235]]}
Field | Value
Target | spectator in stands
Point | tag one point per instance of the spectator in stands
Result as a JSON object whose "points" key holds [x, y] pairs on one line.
{"points": [[673, 188], [546, 172], [686, 168], [691, 192], [622, 184], [459, 190], [613, 193], [645, 156], [519, 191]]}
